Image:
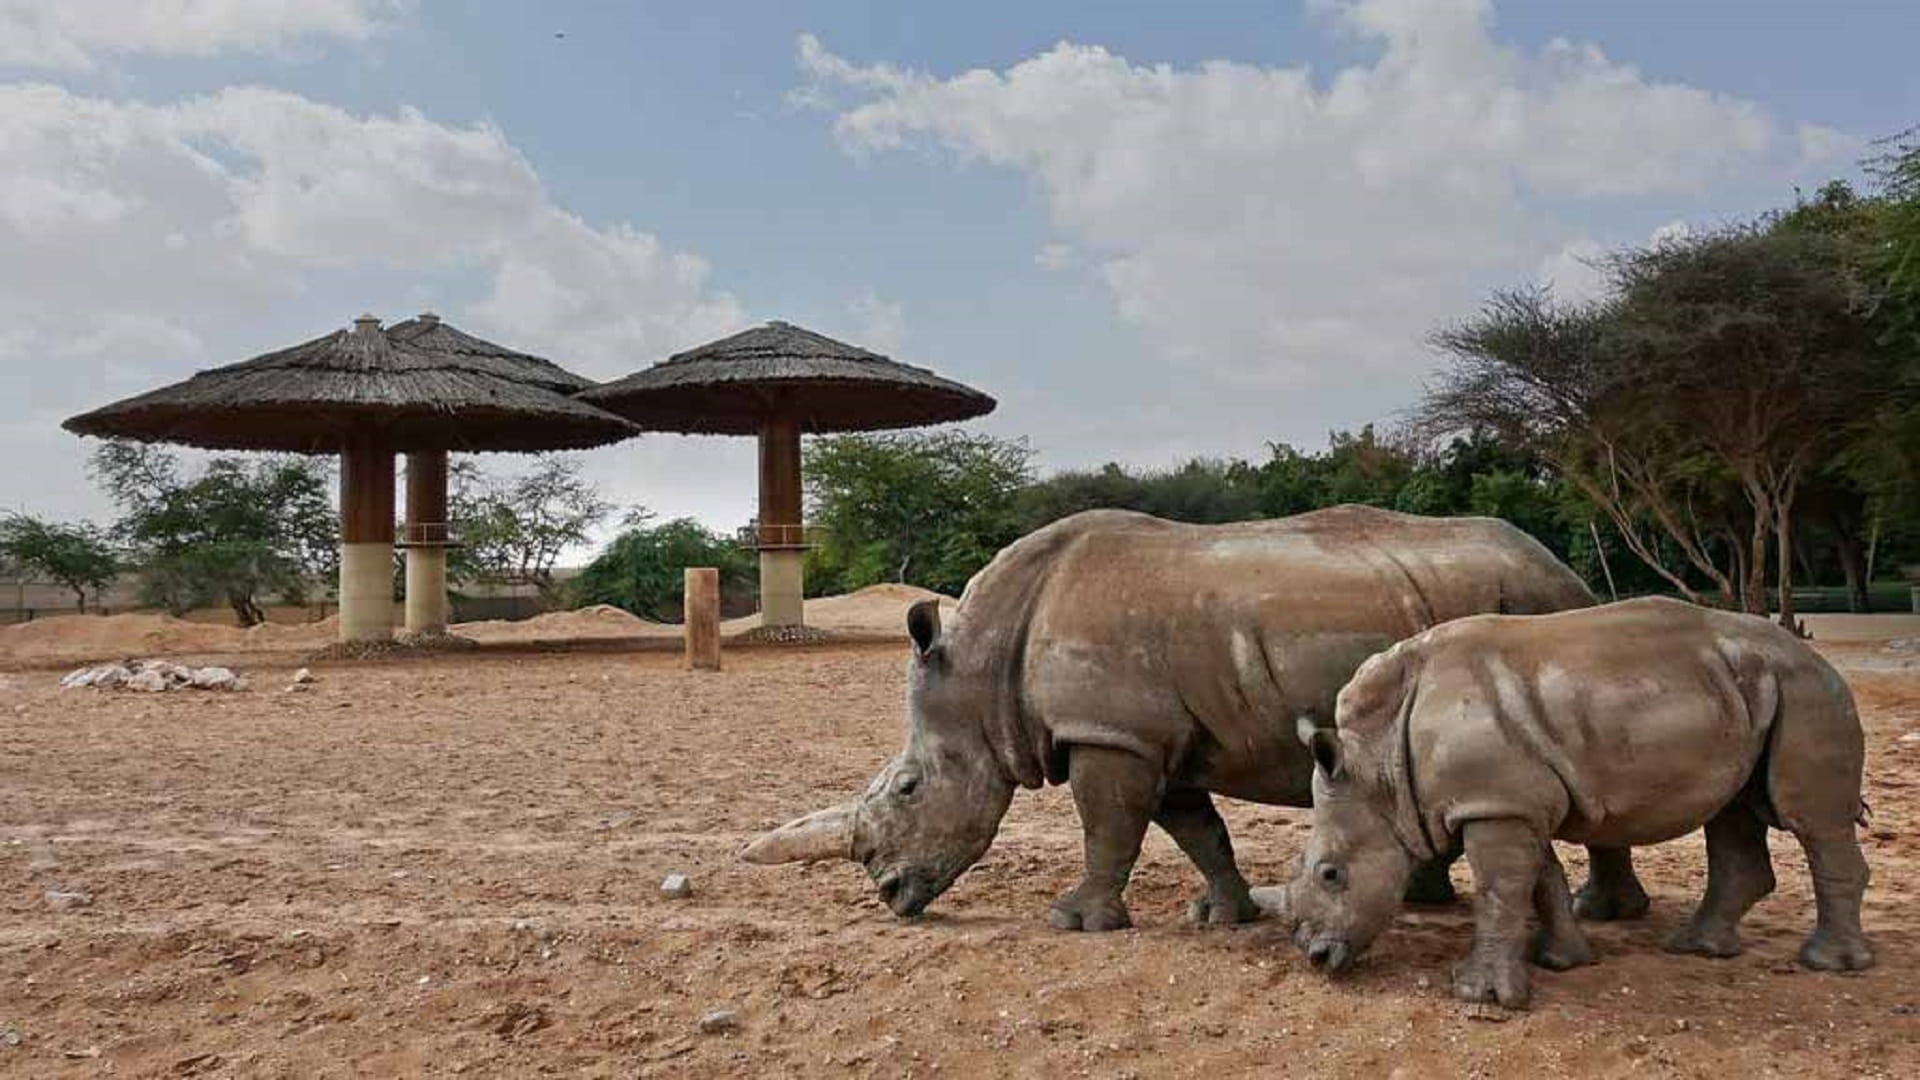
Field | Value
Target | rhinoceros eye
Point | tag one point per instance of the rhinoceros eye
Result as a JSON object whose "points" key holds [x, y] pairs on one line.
{"points": [[1332, 875], [905, 785]]}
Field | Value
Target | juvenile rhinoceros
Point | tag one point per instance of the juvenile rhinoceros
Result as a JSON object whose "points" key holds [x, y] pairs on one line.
{"points": [[1620, 725], [1147, 664]]}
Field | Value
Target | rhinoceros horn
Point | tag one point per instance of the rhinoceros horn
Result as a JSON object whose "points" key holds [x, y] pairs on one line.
{"points": [[823, 834]]}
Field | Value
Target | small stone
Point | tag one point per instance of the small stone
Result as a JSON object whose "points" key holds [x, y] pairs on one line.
{"points": [[423, 980], [676, 887], [1682, 1024], [11, 1037], [1492, 1014], [304, 675], [1423, 983], [720, 1021], [67, 900], [1911, 737]]}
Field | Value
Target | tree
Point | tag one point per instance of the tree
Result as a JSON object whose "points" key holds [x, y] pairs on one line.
{"points": [[643, 569], [928, 508], [77, 556], [516, 529], [1543, 378], [1757, 341], [238, 530]]}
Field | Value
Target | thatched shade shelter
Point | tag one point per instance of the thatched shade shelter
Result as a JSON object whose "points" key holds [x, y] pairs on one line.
{"points": [[778, 381], [418, 387]]}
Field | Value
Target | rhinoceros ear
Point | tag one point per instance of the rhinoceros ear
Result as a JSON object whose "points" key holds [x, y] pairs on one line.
{"points": [[923, 626], [1323, 743]]}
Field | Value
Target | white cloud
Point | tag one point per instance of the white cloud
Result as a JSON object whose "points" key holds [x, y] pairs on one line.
{"points": [[74, 34], [1266, 228], [145, 241], [878, 324]]}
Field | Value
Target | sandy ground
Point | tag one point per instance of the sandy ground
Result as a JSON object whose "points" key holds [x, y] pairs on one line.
{"points": [[876, 612], [450, 866]]}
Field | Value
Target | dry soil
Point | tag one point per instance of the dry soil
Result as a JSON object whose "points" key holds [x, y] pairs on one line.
{"points": [[451, 866]]}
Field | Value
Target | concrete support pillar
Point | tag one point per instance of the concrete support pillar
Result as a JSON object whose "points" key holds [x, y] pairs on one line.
{"points": [[426, 590], [782, 543], [366, 541], [427, 542], [782, 587]]}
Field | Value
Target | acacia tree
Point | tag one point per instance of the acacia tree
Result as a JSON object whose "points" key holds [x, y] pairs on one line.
{"points": [[1543, 378], [1754, 346], [239, 529], [515, 529], [77, 556]]}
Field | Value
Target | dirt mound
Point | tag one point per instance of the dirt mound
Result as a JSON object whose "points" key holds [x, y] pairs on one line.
{"points": [[598, 621], [877, 610], [105, 636]]}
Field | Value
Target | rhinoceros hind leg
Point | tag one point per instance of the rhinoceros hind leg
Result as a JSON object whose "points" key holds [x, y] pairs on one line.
{"points": [[1506, 858], [1739, 873], [1559, 944], [1612, 891], [1839, 880], [1116, 793], [1187, 814]]}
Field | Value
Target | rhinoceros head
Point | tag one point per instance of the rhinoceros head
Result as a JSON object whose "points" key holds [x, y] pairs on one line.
{"points": [[933, 811], [1351, 877]]}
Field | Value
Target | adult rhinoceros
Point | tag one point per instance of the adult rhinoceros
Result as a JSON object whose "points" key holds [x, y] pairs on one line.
{"points": [[1147, 664]]}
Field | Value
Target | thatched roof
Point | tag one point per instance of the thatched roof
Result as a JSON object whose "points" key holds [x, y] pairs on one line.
{"points": [[728, 387], [419, 384]]}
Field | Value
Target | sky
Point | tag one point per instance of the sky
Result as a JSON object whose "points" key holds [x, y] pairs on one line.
{"points": [[1151, 230]]}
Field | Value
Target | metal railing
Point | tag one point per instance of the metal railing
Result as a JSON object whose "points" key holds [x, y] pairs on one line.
{"points": [[777, 537]]}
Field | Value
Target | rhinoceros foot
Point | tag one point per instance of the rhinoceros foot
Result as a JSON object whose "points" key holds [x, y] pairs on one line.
{"points": [[1486, 976], [1095, 912], [1829, 951], [1719, 940], [1213, 909], [1599, 901], [1561, 952]]}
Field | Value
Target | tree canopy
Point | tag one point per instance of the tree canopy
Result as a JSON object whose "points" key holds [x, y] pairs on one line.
{"points": [[239, 529], [76, 556]]}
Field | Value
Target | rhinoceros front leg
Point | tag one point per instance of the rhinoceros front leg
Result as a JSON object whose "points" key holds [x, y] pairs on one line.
{"points": [[1187, 814], [1116, 793], [1506, 856], [1612, 891]]}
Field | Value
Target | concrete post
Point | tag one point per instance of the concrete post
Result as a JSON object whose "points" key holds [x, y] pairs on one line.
{"points": [[703, 618], [782, 587], [426, 542], [782, 542], [366, 547]]}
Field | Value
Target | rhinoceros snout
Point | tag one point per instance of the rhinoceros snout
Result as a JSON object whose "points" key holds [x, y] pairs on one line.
{"points": [[1330, 957]]}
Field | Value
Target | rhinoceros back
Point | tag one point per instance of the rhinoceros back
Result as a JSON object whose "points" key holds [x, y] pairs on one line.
{"points": [[1204, 643]]}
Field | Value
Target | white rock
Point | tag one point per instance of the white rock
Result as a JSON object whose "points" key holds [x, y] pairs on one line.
{"points": [[67, 900], [720, 1021], [304, 675], [1911, 737], [215, 678], [676, 887]]}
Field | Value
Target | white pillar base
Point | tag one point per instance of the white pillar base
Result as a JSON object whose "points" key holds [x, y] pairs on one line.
{"points": [[426, 590], [782, 587], [366, 592]]}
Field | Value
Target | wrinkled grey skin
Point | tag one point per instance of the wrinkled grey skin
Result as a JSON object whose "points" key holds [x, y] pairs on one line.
{"points": [[1622, 725], [1148, 664]]}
